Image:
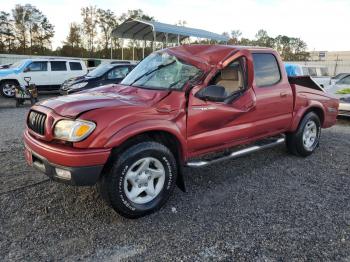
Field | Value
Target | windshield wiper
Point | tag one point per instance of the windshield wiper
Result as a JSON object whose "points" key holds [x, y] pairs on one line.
{"points": [[152, 71]]}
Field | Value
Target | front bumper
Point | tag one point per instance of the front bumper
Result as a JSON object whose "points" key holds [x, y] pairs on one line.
{"points": [[83, 165], [344, 109]]}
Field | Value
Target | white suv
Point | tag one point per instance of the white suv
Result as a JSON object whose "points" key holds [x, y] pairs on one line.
{"points": [[46, 74]]}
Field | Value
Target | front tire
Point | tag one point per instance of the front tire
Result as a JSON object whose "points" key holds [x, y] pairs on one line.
{"points": [[305, 139], [7, 88], [140, 180]]}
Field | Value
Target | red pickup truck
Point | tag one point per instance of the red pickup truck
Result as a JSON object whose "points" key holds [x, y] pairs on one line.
{"points": [[191, 105]]}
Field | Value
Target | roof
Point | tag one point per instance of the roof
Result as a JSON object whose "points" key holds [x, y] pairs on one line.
{"points": [[207, 54], [143, 30]]}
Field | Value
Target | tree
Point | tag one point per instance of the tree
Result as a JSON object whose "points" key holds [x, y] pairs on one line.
{"points": [[43, 33], [291, 49], [235, 36], [73, 38], [107, 21], [73, 44], [6, 32], [181, 23], [263, 39], [31, 24], [90, 21], [135, 14], [20, 17]]}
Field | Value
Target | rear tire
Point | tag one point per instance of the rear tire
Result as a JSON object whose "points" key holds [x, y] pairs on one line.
{"points": [[305, 139], [7, 88], [140, 180]]}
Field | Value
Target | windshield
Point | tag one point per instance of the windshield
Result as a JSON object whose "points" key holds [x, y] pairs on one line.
{"points": [[161, 71], [100, 70], [17, 64]]}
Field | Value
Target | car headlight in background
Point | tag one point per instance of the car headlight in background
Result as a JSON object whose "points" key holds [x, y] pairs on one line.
{"points": [[80, 85], [73, 130]]}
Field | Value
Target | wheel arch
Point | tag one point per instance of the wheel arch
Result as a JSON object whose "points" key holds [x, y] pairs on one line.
{"points": [[165, 136], [10, 79], [318, 111], [315, 107]]}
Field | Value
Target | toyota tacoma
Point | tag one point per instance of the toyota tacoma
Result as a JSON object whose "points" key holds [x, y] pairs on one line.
{"points": [[186, 106]]}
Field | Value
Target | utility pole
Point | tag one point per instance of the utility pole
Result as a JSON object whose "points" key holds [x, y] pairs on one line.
{"points": [[111, 47], [336, 65]]}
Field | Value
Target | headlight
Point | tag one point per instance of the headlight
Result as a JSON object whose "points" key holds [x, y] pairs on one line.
{"points": [[73, 130], [80, 85]]}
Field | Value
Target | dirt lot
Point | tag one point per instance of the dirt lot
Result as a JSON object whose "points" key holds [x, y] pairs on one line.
{"points": [[268, 206]]}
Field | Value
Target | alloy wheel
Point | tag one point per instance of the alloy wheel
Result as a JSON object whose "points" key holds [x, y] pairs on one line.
{"points": [[144, 180]]}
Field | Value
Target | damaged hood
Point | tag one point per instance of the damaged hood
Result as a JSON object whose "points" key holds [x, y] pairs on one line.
{"points": [[102, 97]]}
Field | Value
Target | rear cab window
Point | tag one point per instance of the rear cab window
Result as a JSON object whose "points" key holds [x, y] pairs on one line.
{"points": [[75, 66], [58, 66], [266, 69]]}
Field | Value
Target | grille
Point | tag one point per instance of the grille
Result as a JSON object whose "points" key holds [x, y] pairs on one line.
{"points": [[36, 122]]}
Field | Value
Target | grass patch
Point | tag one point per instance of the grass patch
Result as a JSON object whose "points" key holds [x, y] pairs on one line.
{"points": [[344, 91]]}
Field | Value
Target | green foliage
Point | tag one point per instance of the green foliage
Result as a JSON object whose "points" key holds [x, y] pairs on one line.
{"points": [[27, 30], [32, 30], [290, 48], [345, 91]]}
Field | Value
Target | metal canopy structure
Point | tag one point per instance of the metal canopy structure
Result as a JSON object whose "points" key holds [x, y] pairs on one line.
{"points": [[160, 32]]}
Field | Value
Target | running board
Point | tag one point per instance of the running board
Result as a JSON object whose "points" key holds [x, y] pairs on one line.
{"points": [[235, 154]]}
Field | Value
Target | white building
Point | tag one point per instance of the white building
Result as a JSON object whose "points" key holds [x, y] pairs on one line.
{"points": [[336, 61]]}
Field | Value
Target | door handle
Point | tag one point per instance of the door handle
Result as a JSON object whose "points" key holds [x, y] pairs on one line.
{"points": [[283, 94]]}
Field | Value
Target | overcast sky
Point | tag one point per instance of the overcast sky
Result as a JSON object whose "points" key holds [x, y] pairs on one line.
{"points": [[322, 24]]}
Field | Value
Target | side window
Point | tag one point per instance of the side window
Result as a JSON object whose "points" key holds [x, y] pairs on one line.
{"points": [[58, 66], [36, 67], [266, 69], [118, 72], [75, 66], [345, 81], [233, 77]]}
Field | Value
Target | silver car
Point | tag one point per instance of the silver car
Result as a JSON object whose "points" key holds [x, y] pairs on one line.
{"points": [[341, 89]]}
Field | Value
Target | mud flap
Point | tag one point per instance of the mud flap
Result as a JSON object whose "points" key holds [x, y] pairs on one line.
{"points": [[180, 182]]}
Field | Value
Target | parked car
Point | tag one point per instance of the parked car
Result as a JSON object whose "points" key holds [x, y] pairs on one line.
{"points": [[341, 89], [108, 73], [5, 66], [46, 74], [337, 77], [176, 108], [318, 73]]}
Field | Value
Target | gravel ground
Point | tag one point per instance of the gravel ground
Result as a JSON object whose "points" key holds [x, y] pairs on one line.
{"points": [[267, 206]]}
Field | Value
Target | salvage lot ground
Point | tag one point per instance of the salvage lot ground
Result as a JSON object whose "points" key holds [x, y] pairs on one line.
{"points": [[267, 206]]}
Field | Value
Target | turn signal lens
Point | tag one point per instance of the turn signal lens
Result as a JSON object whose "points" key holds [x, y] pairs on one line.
{"points": [[82, 130]]}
